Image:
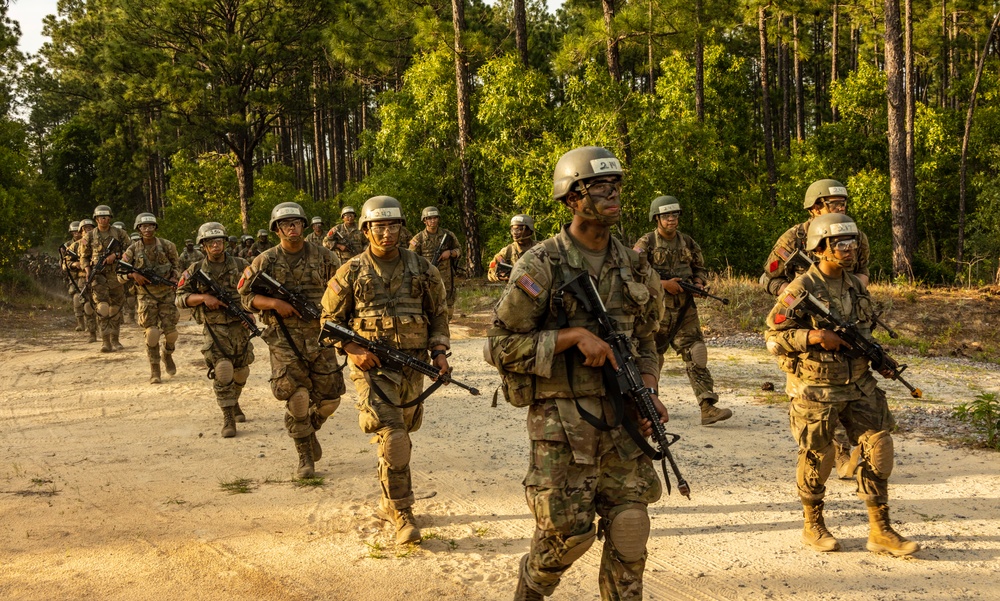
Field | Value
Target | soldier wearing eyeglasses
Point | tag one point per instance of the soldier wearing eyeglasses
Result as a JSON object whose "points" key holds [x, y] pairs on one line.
{"points": [[522, 230], [432, 238]]}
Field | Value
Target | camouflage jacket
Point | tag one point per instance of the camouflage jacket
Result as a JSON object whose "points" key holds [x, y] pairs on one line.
{"points": [[161, 257], [225, 273], [677, 258], [426, 244], [94, 243], [509, 255], [187, 257], [775, 273], [354, 239]]}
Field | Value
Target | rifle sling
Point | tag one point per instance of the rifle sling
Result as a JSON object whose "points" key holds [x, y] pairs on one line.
{"points": [[385, 399], [288, 337]]}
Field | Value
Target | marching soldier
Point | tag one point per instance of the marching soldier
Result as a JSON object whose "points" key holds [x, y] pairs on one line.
{"points": [[246, 246], [827, 385], [156, 313], [107, 292], [522, 230], [71, 268], [346, 239], [190, 254], [131, 298], [79, 272], [261, 244], [441, 248], [304, 375], [390, 294], [675, 256], [228, 349], [316, 235], [233, 245]]}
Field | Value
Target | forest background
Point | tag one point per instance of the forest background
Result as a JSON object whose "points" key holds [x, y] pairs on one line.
{"points": [[201, 110]]}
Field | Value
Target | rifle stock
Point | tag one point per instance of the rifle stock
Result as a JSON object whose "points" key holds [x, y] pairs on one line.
{"points": [[232, 305], [268, 286]]}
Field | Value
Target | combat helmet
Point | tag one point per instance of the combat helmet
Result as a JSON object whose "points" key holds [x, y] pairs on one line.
{"points": [[823, 189], [134, 236], [234, 240], [316, 220], [581, 164], [286, 210], [210, 231], [145, 219], [74, 226], [830, 225], [429, 212], [102, 211], [246, 237], [119, 224], [89, 222], [262, 233], [524, 220], [662, 205], [381, 208], [346, 210]]}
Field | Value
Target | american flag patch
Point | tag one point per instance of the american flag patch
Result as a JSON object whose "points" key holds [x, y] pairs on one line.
{"points": [[530, 286], [335, 286], [789, 300], [783, 253]]}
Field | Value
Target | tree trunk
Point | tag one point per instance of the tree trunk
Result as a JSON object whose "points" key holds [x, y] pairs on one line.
{"points": [[911, 107], [782, 80], [903, 219], [470, 219], [959, 250], [244, 179], [817, 72], [834, 45], [800, 111], [521, 31], [649, 46], [772, 176], [699, 65], [945, 53], [614, 69]]}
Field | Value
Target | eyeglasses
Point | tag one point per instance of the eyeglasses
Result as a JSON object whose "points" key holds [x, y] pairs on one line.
{"points": [[382, 228], [836, 204], [844, 245], [673, 215], [147, 227], [213, 243], [290, 224]]}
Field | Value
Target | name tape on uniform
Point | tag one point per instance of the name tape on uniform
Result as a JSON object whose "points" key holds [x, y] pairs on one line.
{"points": [[605, 165]]}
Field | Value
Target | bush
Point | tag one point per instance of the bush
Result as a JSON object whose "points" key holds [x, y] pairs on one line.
{"points": [[983, 414]]}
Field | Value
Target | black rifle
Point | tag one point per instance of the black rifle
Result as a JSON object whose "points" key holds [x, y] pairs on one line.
{"points": [[440, 249], [390, 357], [231, 305], [503, 270], [860, 346], [268, 286], [125, 268], [628, 380], [112, 248], [695, 290]]}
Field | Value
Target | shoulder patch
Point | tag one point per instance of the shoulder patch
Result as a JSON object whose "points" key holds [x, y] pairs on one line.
{"points": [[529, 285], [183, 279], [773, 266], [335, 286], [783, 253]]}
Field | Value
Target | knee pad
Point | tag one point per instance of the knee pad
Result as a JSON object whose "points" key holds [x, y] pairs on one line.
{"points": [[298, 404], [88, 309], [103, 309], [628, 532], [877, 451], [395, 449], [327, 407], [153, 336], [241, 375], [224, 372], [576, 546], [170, 338], [699, 354]]}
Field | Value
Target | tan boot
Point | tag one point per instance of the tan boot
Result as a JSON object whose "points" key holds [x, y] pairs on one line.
{"points": [[307, 468], [882, 538], [814, 532], [525, 592], [845, 468], [711, 413], [403, 521], [79, 325], [114, 340], [228, 422], [317, 451], [153, 353], [168, 361], [106, 346], [240, 417], [93, 336]]}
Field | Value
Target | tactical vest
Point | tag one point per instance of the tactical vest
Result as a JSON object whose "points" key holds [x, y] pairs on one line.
{"points": [[671, 258], [308, 278], [228, 278], [156, 261], [400, 319], [98, 241]]}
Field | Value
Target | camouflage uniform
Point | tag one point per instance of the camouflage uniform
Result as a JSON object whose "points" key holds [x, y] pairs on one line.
{"points": [[304, 374], [509, 255], [155, 310], [315, 238], [681, 258], [259, 247], [356, 241], [426, 244], [775, 274], [402, 301], [829, 387], [108, 294], [225, 337], [405, 236], [575, 469], [82, 305], [190, 256]]}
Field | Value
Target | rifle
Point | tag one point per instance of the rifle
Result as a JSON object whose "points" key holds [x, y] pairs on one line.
{"points": [[230, 305], [390, 357], [503, 270], [860, 346], [268, 286], [440, 249], [695, 290], [125, 268], [628, 380], [112, 248]]}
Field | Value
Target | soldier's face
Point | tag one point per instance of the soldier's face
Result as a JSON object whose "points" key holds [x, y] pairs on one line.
{"points": [[842, 251], [432, 223], [520, 233], [77, 235], [148, 232], [291, 229], [832, 204], [667, 222], [103, 223], [318, 228], [214, 248], [600, 200], [87, 228], [383, 235], [349, 218]]}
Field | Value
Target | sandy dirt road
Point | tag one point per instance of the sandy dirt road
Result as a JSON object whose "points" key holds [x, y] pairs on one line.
{"points": [[110, 489]]}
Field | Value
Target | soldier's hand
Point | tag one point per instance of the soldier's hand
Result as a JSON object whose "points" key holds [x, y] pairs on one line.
{"points": [[671, 286], [361, 357], [827, 339], [139, 279], [212, 302], [111, 259], [284, 309], [595, 351], [441, 362], [645, 426]]}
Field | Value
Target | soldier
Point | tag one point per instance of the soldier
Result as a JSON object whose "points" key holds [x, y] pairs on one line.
{"points": [[107, 293], [346, 239], [316, 236], [190, 254], [70, 268], [246, 248], [262, 243], [131, 300], [545, 348], [429, 241], [119, 224], [405, 236], [827, 385], [394, 295], [228, 349], [303, 374], [522, 230], [822, 197], [78, 269], [233, 245], [156, 312], [675, 256]]}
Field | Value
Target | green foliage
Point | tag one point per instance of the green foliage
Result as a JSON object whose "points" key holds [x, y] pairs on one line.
{"points": [[983, 414]]}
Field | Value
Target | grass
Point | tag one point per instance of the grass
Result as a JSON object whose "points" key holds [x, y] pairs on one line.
{"points": [[433, 535], [315, 481], [239, 486], [376, 550]]}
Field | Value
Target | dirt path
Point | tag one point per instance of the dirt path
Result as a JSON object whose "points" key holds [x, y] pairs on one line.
{"points": [[110, 489]]}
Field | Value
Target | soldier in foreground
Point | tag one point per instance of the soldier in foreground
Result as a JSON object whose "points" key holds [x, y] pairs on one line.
{"points": [[228, 349], [156, 313], [190, 254], [71, 269], [551, 361], [828, 384], [522, 230], [394, 295], [441, 248], [130, 309], [78, 269], [304, 375], [107, 292], [675, 256]]}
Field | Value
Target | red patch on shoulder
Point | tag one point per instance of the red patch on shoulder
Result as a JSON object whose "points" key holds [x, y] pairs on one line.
{"points": [[773, 266], [183, 279], [493, 264], [779, 318]]}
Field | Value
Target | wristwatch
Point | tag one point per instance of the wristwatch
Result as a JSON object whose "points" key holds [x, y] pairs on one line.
{"points": [[653, 391]]}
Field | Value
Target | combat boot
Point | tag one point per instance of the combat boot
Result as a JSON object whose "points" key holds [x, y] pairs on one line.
{"points": [[153, 352], [814, 532], [525, 592], [403, 521], [317, 451], [114, 340], [79, 324], [711, 414], [307, 468], [240, 417], [228, 422], [842, 458], [106, 346], [168, 361], [93, 336], [882, 538]]}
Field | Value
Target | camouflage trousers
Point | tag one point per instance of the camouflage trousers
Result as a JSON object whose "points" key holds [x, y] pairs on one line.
{"points": [[688, 334], [227, 342], [108, 296], [391, 426], [813, 423], [82, 308], [319, 376], [157, 310], [565, 497]]}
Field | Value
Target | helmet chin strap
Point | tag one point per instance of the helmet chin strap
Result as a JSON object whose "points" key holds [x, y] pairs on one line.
{"points": [[831, 256]]}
